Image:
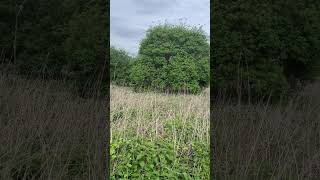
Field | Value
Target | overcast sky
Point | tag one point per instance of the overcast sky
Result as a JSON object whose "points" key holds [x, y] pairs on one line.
{"points": [[131, 18]]}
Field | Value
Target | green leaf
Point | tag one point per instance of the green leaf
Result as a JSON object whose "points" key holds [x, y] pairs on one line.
{"points": [[139, 156], [141, 163]]}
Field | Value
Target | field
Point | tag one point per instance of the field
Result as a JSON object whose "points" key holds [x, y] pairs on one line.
{"points": [[47, 132], [157, 135], [257, 141], [264, 141]]}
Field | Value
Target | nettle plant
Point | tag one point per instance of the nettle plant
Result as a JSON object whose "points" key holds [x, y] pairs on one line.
{"points": [[142, 158]]}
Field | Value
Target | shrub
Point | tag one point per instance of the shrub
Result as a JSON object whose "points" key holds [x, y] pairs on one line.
{"points": [[120, 63], [172, 57]]}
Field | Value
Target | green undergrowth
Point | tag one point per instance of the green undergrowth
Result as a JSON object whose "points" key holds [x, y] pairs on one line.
{"points": [[142, 158]]}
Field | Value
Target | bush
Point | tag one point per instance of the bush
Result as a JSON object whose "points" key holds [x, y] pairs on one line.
{"points": [[172, 58], [120, 63]]}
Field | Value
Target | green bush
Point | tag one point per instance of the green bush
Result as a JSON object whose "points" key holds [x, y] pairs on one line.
{"points": [[120, 63], [172, 58]]}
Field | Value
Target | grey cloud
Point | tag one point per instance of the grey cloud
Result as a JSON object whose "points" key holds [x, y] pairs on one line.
{"points": [[125, 32], [131, 18], [153, 3], [128, 33]]}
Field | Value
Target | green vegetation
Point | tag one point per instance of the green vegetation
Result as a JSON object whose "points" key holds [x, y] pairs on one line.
{"points": [[266, 46], [154, 135], [172, 58], [258, 48], [159, 136], [141, 158], [52, 52], [120, 64], [56, 40]]}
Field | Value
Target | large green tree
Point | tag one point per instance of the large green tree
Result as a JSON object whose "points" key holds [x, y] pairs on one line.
{"points": [[172, 58]]}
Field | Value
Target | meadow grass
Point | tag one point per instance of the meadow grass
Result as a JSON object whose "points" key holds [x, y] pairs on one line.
{"points": [[178, 120], [268, 141], [48, 132]]}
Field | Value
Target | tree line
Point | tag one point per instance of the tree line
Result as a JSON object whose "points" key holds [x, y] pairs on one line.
{"points": [[56, 39], [257, 47], [267, 46]]}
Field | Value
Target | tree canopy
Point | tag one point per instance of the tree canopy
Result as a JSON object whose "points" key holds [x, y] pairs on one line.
{"points": [[172, 58]]}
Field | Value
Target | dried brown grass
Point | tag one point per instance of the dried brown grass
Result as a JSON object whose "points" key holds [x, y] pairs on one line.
{"points": [[145, 113], [47, 132], [268, 141]]}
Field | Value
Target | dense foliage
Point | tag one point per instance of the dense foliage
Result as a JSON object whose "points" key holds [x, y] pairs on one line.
{"points": [[264, 46], [172, 58], [160, 158], [120, 64], [56, 39], [142, 158]]}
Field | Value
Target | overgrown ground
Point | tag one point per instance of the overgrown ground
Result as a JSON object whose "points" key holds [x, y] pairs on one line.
{"points": [[265, 141], [47, 132], [159, 136]]}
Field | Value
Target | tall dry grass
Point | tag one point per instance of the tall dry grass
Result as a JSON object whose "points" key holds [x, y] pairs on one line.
{"points": [[169, 133], [47, 132], [144, 114], [266, 141]]}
